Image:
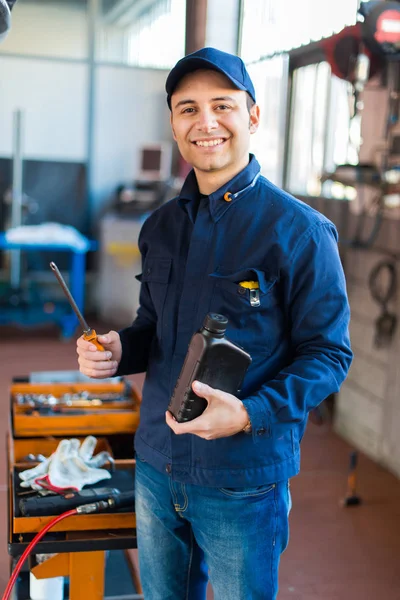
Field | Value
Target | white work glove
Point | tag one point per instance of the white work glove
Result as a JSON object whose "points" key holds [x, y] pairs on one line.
{"points": [[28, 477], [71, 466]]}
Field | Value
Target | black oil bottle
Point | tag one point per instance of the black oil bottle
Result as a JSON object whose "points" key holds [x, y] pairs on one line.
{"points": [[212, 359]]}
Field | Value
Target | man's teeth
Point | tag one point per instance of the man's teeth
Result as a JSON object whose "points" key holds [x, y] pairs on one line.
{"points": [[209, 143]]}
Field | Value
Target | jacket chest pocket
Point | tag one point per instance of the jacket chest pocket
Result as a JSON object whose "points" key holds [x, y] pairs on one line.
{"points": [[250, 300], [156, 275]]}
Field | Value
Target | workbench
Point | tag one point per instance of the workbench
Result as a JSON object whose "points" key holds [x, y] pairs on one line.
{"points": [[60, 313], [80, 542]]}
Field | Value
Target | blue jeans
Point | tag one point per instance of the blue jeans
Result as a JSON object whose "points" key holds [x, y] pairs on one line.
{"points": [[188, 534]]}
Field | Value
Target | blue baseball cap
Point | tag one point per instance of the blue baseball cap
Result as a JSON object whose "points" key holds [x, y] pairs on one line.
{"points": [[229, 65]]}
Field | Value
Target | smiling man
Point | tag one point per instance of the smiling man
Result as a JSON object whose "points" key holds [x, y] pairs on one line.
{"points": [[212, 494], [212, 131]]}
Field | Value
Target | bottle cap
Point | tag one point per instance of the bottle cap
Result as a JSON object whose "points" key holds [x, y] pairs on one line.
{"points": [[215, 323]]}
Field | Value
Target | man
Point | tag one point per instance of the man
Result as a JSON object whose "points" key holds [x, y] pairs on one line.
{"points": [[212, 496]]}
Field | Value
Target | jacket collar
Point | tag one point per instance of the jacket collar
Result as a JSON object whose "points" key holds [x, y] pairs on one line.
{"points": [[218, 203]]}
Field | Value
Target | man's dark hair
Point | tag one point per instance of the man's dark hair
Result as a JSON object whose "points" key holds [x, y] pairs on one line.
{"points": [[249, 101]]}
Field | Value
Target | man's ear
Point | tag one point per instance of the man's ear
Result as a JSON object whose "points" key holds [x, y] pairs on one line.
{"points": [[254, 118], [172, 126]]}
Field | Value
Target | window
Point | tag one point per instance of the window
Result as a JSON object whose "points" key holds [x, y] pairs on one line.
{"points": [[319, 136], [270, 78], [145, 33], [271, 26]]}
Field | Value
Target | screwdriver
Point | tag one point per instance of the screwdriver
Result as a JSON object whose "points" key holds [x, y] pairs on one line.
{"points": [[89, 334]]}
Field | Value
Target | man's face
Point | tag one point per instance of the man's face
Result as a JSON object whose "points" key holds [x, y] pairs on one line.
{"points": [[211, 123]]}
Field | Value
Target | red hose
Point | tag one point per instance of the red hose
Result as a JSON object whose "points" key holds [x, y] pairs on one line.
{"points": [[29, 549]]}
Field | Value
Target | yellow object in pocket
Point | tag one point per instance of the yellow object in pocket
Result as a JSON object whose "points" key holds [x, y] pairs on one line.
{"points": [[250, 285]]}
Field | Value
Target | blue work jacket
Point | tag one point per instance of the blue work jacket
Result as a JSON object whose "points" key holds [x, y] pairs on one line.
{"points": [[195, 252]]}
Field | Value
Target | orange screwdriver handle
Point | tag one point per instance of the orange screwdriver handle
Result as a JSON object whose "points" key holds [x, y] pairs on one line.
{"points": [[91, 336]]}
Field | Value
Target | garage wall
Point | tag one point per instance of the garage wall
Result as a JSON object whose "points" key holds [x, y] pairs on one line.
{"points": [[46, 73], [57, 29], [130, 110], [368, 408], [54, 99], [367, 412]]}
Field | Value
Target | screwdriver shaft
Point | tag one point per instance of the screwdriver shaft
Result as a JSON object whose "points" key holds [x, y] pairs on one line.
{"points": [[68, 294]]}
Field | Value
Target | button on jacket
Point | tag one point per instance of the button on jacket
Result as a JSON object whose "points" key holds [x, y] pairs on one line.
{"points": [[196, 250]]}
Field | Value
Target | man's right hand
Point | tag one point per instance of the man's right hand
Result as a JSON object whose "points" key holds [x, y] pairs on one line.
{"points": [[97, 364]]}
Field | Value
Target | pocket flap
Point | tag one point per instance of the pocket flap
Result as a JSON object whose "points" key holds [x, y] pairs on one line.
{"points": [[156, 270]]}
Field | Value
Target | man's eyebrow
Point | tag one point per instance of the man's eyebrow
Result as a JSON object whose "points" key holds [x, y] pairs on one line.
{"points": [[186, 101], [223, 99], [217, 99]]}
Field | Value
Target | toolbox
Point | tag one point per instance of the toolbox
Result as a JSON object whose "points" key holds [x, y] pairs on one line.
{"points": [[73, 409], [108, 411], [122, 477]]}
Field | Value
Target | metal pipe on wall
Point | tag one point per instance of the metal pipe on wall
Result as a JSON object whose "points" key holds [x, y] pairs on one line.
{"points": [[94, 10], [196, 24], [239, 36], [17, 191]]}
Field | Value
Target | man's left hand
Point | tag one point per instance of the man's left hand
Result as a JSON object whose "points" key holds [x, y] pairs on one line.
{"points": [[224, 416]]}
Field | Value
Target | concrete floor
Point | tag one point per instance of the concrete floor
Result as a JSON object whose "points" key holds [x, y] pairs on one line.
{"points": [[333, 554]]}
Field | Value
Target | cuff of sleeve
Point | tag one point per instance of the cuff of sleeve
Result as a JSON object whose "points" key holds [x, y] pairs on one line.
{"points": [[125, 365], [259, 418]]}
